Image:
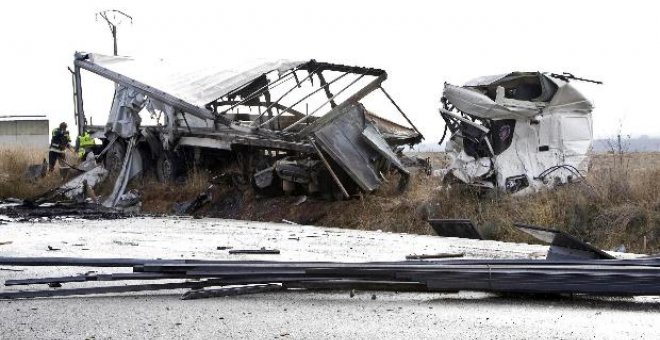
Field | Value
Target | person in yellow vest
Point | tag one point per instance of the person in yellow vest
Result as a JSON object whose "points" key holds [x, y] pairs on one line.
{"points": [[59, 142], [84, 144]]}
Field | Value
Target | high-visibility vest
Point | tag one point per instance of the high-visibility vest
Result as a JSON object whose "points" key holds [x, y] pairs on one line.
{"points": [[85, 141]]}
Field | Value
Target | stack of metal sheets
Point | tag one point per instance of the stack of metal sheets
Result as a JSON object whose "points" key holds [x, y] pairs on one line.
{"points": [[580, 276]]}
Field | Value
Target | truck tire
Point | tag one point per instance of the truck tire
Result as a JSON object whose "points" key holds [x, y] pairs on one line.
{"points": [[114, 157]]}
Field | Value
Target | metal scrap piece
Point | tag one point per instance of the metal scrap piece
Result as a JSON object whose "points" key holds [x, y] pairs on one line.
{"points": [[562, 245], [433, 256], [254, 251], [463, 228], [195, 294], [30, 294]]}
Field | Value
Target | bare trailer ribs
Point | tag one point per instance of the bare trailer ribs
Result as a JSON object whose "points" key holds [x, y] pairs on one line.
{"points": [[208, 115]]}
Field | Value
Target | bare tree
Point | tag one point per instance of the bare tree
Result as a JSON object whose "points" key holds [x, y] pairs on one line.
{"points": [[114, 18]]}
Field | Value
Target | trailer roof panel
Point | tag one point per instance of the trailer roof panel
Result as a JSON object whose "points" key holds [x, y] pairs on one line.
{"points": [[191, 82]]}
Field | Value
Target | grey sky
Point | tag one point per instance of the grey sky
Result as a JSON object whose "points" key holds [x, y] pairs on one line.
{"points": [[420, 44]]}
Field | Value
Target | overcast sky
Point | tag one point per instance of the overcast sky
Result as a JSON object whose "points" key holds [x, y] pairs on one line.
{"points": [[420, 44]]}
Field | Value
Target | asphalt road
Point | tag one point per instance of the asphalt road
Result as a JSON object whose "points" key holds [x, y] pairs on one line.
{"points": [[294, 314]]}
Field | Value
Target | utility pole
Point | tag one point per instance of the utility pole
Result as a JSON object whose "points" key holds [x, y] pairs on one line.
{"points": [[114, 18]]}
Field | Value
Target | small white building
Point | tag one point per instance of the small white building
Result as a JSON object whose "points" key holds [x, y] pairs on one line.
{"points": [[28, 131]]}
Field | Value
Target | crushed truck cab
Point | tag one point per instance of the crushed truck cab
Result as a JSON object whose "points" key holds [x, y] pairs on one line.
{"points": [[517, 132]]}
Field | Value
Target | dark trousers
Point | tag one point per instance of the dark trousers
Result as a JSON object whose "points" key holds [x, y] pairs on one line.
{"points": [[54, 157]]}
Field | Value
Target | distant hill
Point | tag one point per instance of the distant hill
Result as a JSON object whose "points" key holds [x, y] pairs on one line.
{"points": [[637, 144]]}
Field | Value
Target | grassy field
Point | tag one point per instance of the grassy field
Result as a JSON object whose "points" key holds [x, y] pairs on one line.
{"points": [[617, 204]]}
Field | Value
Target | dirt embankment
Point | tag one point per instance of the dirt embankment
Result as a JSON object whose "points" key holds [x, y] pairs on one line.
{"points": [[618, 204]]}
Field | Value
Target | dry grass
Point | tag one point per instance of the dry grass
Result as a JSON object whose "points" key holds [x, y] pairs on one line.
{"points": [[14, 162], [159, 198], [619, 203]]}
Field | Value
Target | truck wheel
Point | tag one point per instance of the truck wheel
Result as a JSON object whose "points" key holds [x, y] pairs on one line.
{"points": [[114, 157]]}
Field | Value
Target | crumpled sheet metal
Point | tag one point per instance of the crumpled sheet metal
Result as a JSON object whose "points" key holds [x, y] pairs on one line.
{"points": [[470, 101], [74, 187], [128, 171], [124, 118], [343, 140], [374, 138], [477, 104]]}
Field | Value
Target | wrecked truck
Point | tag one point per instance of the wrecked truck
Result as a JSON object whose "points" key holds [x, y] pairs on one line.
{"points": [[287, 125], [517, 132]]}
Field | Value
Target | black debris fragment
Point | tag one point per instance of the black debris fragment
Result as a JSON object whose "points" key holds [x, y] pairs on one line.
{"points": [[433, 256], [463, 228], [25, 212], [262, 251], [195, 294]]}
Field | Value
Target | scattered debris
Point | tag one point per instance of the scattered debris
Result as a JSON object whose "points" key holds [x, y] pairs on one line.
{"points": [[301, 199], [581, 274], [463, 228], [129, 202], [104, 290], [517, 132], [423, 163], [564, 246], [433, 256], [12, 269], [29, 210], [77, 187], [255, 251], [36, 171], [195, 294], [126, 243], [620, 248], [186, 208]]}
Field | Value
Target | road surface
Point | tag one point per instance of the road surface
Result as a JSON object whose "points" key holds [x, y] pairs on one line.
{"points": [[295, 315]]}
